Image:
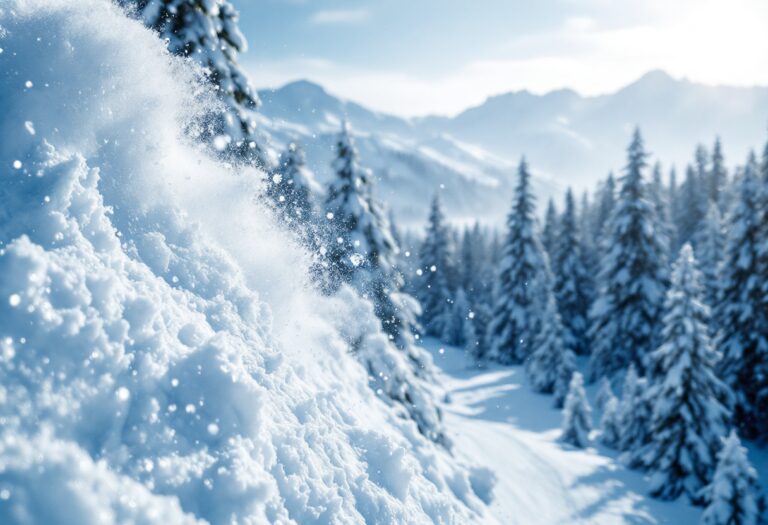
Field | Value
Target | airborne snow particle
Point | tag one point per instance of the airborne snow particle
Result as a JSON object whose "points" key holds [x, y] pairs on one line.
{"points": [[30, 127], [433, 268], [5, 494], [123, 393], [356, 259], [419, 272], [190, 409], [329, 216], [14, 300], [28, 84], [213, 429], [220, 142], [17, 164]]}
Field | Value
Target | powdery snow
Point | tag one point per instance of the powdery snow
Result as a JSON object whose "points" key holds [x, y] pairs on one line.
{"points": [[161, 357]]}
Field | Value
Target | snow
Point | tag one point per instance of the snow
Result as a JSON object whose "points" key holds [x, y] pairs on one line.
{"points": [[499, 423], [162, 358]]}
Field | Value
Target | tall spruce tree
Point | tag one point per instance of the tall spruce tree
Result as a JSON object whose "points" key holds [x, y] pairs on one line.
{"points": [[606, 202], [207, 32], [524, 281], [432, 287], [549, 232], [710, 240], [633, 277], [658, 197], [689, 415], [743, 310], [572, 280], [718, 176], [733, 497], [634, 414]]}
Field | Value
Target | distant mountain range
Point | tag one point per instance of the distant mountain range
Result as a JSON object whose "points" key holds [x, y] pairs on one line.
{"points": [[568, 139]]}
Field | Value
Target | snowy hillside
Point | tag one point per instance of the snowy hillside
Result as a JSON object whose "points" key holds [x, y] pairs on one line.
{"points": [[161, 357]]}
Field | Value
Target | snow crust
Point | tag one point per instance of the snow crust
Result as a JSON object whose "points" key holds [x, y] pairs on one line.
{"points": [[162, 359]]}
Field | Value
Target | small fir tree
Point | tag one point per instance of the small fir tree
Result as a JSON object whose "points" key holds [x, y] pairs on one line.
{"points": [[610, 428], [577, 414], [733, 496]]}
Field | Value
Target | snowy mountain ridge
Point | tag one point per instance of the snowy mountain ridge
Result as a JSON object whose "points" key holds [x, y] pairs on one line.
{"points": [[568, 139]]}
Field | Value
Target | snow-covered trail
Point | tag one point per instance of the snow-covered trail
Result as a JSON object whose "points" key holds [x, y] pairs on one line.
{"points": [[497, 422]]}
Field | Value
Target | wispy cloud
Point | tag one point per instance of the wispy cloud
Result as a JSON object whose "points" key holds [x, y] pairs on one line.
{"points": [[339, 16]]}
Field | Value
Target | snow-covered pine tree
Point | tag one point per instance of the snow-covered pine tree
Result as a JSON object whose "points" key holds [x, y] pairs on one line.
{"points": [[689, 415], [658, 196], [742, 314], [733, 497], [604, 393], [673, 198], [718, 176], [691, 207], [288, 188], [454, 327], [590, 257], [606, 202], [634, 415], [572, 281], [710, 240], [472, 343], [432, 276], [549, 232], [577, 414], [524, 281], [626, 314], [207, 32], [543, 365], [565, 369], [610, 429]]}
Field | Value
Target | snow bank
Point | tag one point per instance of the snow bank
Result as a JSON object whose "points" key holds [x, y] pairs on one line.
{"points": [[161, 357]]}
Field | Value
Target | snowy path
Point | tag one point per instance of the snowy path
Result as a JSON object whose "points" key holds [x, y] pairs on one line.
{"points": [[496, 421]]}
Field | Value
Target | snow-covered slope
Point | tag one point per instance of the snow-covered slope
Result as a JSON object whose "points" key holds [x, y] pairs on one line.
{"points": [[161, 357], [499, 422], [409, 165]]}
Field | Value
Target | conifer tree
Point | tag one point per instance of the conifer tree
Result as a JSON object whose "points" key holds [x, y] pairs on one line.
{"points": [[625, 316], [360, 247], [635, 413], [524, 282], [577, 414], [673, 198], [718, 176], [610, 429], [658, 198], [604, 393], [454, 328], [572, 281], [742, 312], [472, 343], [710, 240], [288, 188], [550, 231], [733, 497], [207, 32], [543, 367], [606, 202], [432, 276], [689, 418]]}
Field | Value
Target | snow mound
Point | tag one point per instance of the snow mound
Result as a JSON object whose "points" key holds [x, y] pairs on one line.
{"points": [[161, 357]]}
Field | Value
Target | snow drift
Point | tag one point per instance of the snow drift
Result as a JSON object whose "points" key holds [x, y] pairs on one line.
{"points": [[161, 357]]}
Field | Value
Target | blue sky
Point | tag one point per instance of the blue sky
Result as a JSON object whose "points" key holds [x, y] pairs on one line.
{"points": [[440, 56]]}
